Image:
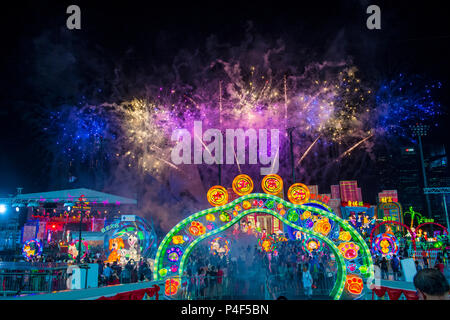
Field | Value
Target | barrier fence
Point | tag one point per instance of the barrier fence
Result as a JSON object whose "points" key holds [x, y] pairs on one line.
{"points": [[15, 282]]}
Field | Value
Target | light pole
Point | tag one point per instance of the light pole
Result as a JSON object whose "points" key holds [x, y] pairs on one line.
{"points": [[291, 149], [421, 130], [82, 205]]}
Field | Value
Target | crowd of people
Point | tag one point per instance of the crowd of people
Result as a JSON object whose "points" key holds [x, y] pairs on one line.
{"points": [[110, 274], [393, 266], [249, 271]]}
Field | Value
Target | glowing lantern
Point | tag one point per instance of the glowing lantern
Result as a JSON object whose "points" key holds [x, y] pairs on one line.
{"points": [[197, 228], [322, 226], [224, 217], [246, 204], [292, 215], [174, 254], [171, 287], [345, 236], [354, 284], [298, 193], [217, 196], [177, 240], [272, 184], [349, 250], [163, 272], [242, 185], [305, 215]]}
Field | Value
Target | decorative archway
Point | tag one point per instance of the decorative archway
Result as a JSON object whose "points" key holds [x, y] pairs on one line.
{"points": [[433, 223], [353, 258], [393, 222]]}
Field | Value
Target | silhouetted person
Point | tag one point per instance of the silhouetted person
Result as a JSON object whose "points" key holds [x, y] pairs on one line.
{"points": [[431, 284]]}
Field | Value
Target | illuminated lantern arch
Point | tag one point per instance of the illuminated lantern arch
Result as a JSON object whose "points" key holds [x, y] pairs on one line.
{"points": [[325, 228], [433, 223], [393, 222]]}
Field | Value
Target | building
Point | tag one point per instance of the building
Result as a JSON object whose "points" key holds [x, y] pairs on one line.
{"points": [[335, 194], [437, 176], [388, 196], [410, 192], [348, 190]]}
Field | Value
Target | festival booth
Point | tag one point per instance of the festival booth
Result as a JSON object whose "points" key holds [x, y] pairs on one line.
{"points": [[55, 218]]}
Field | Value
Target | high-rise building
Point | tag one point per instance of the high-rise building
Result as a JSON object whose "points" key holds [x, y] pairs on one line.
{"points": [[314, 189], [335, 205], [410, 192], [348, 190], [335, 194], [358, 194], [437, 171], [388, 196]]}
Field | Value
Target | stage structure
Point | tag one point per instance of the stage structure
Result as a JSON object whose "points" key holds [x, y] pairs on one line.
{"points": [[353, 258]]}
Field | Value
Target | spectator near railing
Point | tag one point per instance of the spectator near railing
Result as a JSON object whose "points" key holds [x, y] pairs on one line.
{"points": [[16, 282]]}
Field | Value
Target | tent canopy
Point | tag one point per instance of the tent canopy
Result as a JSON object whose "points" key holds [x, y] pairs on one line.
{"points": [[72, 195]]}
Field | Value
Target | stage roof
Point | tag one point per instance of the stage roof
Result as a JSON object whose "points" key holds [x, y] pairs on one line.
{"points": [[72, 195]]}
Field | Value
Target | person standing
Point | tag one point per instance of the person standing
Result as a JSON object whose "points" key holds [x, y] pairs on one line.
{"points": [[418, 266], [425, 258], [107, 273], [384, 268], [395, 265], [307, 282], [439, 265]]}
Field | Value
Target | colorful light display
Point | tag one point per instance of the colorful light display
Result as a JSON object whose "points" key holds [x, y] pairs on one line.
{"points": [[272, 184], [115, 246], [32, 249], [242, 185], [298, 193], [266, 243], [73, 249], [292, 215], [220, 246], [130, 240], [349, 250], [354, 284], [321, 224], [174, 253], [385, 244], [171, 286], [345, 236], [217, 196], [311, 245], [395, 223], [177, 239], [197, 228]]}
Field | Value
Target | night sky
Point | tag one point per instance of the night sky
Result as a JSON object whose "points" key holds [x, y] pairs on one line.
{"points": [[414, 38]]}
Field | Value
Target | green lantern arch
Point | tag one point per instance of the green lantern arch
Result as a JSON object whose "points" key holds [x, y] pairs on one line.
{"points": [[353, 259]]}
